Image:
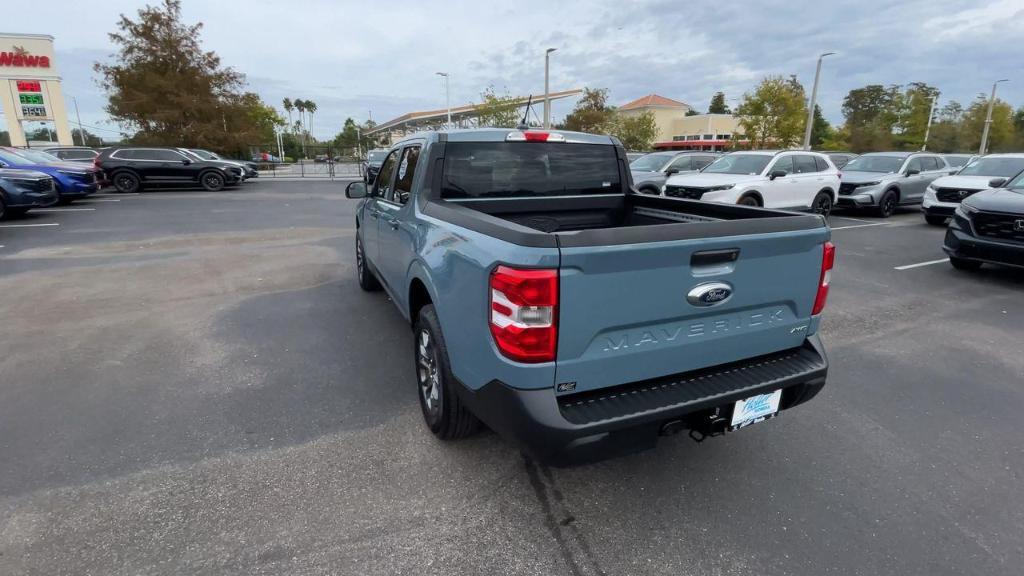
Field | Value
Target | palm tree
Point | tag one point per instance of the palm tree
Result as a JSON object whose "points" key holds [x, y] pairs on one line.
{"points": [[300, 105], [310, 108], [288, 107]]}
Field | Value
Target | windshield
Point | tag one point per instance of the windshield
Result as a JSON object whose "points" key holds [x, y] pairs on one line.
{"points": [[650, 162], [14, 159], [376, 155], [883, 164], [994, 167], [739, 164], [205, 155], [503, 169], [38, 157], [1017, 184]]}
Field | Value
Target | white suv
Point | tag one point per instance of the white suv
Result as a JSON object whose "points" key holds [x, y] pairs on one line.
{"points": [[791, 179]]}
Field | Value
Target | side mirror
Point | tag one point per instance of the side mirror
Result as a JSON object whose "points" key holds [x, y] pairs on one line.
{"points": [[776, 174], [355, 190], [997, 182], [186, 161], [671, 171], [912, 171]]}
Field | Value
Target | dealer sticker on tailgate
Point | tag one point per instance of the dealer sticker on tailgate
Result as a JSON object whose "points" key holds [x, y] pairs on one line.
{"points": [[755, 409]]}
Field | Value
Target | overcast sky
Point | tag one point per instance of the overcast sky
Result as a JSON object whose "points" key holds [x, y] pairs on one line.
{"points": [[354, 58]]}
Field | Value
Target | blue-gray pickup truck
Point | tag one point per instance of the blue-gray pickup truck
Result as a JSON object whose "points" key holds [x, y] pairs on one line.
{"points": [[575, 316]]}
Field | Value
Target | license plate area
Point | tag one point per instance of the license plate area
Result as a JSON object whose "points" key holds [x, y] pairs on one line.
{"points": [[755, 409]]}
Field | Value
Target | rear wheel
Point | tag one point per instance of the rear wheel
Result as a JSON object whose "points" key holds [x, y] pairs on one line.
{"points": [[887, 205], [935, 220], [212, 181], [13, 212], [127, 182], [823, 203], [3, 208], [443, 411], [961, 264]]}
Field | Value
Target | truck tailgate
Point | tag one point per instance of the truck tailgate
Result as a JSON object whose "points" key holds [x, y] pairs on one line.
{"points": [[624, 315]]}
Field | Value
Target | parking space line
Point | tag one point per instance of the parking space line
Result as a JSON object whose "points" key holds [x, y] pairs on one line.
{"points": [[34, 210], [101, 200], [860, 226], [848, 218], [919, 264], [28, 225]]}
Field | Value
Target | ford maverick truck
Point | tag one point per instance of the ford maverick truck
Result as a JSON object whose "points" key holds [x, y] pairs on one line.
{"points": [[575, 316]]}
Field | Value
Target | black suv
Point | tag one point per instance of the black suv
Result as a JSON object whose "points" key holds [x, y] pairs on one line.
{"points": [[131, 168], [988, 226]]}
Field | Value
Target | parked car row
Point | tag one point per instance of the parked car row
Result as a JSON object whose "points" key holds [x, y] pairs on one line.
{"points": [[68, 180]]}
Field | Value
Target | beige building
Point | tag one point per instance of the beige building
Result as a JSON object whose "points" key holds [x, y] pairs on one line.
{"points": [[30, 86], [665, 112], [702, 132]]}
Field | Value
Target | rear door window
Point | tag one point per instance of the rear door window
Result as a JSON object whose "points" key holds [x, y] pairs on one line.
{"points": [[518, 169], [820, 163], [804, 164]]}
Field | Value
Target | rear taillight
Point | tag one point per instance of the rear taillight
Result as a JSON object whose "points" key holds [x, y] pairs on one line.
{"points": [[524, 313], [534, 136], [828, 258]]}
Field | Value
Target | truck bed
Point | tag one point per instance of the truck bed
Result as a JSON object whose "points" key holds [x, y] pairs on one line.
{"points": [[613, 219]]}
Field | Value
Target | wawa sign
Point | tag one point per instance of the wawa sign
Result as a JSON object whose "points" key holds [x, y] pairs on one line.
{"points": [[18, 57]]}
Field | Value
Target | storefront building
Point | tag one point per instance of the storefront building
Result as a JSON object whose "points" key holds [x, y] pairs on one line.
{"points": [[30, 88]]}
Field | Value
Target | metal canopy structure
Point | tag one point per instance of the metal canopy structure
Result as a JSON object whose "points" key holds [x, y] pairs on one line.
{"points": [[462, 116]]}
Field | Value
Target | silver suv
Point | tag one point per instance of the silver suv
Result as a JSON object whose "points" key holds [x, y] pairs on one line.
{"points": [[885, 180], [650, 171]]}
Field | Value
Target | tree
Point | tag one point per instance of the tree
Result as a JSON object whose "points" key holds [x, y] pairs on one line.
{"points": [[692, 112], [83, 137], [164, 88], [636, 132], [718, 104], [1001, 132], [592, 113], [497, 111], [821, 130], [288, 107], [946, 132], [774, 114], [310, 110]]}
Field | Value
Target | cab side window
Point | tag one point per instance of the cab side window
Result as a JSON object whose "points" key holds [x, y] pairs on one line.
{"points": [[385, 178], [406, 170], [699, 162], [916, 164], [680, 164]]}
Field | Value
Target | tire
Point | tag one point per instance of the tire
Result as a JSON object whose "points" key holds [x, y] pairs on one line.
{"points": [[822, 203], [443, 411], [935, 220], [127, 182], [367, 281], [650, 190], [212, 181], [887, 205], [749, 200], [3, 208], [12, 212], [967, 265]]}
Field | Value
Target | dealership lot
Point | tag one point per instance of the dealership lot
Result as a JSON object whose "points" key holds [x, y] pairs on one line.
{"points": [[193, 382]]}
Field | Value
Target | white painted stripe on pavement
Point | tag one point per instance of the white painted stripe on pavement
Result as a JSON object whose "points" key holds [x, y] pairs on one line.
{"points": [[919, 264], [848, 218], [100, 200], [860, 226], [28, 225], [34, 210]]}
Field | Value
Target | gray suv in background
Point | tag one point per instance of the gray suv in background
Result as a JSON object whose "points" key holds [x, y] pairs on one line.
{"points": [[885, 180], [650, 171]]}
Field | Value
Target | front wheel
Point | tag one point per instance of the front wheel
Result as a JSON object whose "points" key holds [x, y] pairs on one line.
{"points": [[749, 201], [212, 181], [935, 220], [822, 204], [961, 264], [887, 205], [443, 411]]}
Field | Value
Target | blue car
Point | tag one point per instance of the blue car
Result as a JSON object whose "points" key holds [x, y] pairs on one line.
{"points": [[22, 190], [72, 180]]}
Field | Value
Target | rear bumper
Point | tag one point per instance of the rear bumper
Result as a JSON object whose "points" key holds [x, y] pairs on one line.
{"points": [[592, 426]]}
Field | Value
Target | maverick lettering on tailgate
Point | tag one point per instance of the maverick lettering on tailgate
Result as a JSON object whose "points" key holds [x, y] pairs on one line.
{"points": [[656, 336]]}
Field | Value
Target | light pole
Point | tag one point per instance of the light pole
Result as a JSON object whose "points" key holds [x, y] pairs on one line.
{"points": [[547, 92], [447, 97], [81, 134], [928, 129], [814, 100], [988, 117]]}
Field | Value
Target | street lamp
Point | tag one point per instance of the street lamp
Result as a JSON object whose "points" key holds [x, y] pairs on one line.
{"points": [[931, 114], [988, 117], [814, 99], [547, 94], [447, 97]]}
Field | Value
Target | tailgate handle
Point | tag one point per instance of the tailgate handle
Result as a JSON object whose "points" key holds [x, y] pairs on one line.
{"points": [[713, 257]]}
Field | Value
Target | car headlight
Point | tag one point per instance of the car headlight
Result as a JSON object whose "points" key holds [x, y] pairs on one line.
{"points": [[722, 187], [966, 210], [865, 184], [74, 173]]}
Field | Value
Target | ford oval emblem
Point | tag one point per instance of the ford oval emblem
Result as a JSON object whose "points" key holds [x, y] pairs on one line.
{"points": [[709, 294]]}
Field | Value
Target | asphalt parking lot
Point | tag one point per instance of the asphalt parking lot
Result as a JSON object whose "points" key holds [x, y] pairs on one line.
{"points": [[193, 382]]}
